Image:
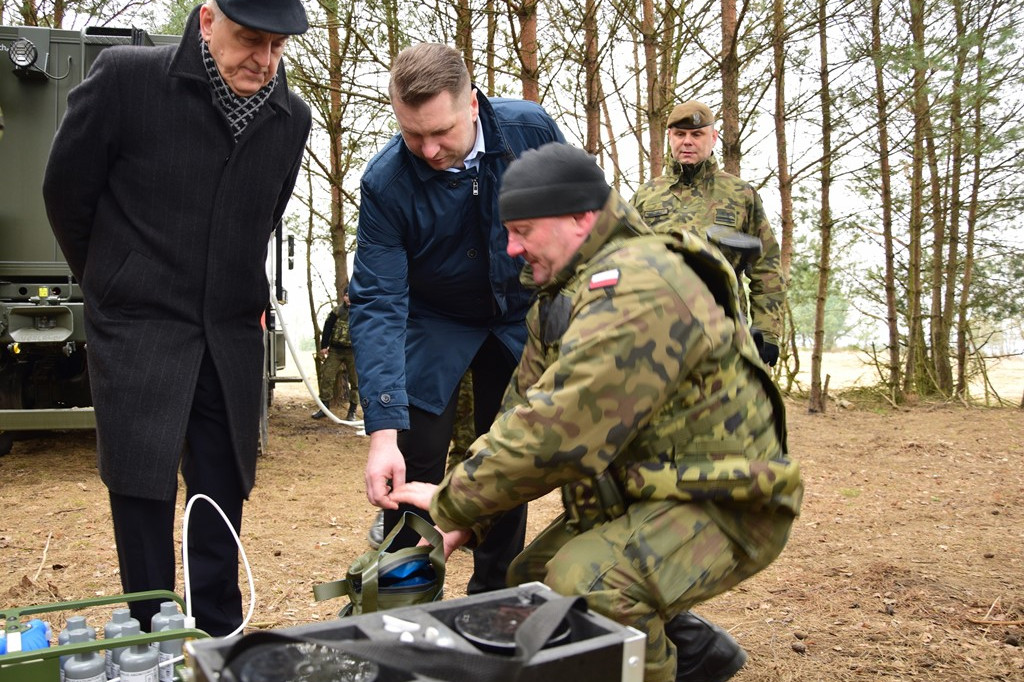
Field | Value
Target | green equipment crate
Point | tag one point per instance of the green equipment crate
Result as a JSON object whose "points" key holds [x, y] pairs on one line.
{"points": [[43, 665]]}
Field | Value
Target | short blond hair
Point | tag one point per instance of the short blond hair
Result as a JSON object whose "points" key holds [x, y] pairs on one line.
{"points": [[422, 71]]}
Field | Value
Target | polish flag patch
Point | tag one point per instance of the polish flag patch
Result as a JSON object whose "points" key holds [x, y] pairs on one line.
{"points": [[604, 279]]}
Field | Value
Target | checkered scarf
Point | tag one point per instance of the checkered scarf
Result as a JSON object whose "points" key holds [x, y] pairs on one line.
{"points": [[240, 110]]}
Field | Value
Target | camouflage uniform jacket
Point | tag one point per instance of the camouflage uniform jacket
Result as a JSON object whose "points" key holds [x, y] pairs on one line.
{"points": [[633, 372], [695, 197], [335, 333]]}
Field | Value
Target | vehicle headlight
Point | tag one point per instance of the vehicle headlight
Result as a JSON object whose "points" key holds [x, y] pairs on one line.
{"points": [[23, 53]]}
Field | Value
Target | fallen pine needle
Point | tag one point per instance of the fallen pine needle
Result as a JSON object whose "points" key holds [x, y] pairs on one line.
{"points": [[43, 560], [982, 621]]}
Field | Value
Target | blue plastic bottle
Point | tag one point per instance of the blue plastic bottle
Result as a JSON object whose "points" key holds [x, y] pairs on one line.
{"points": [[35, 634]]}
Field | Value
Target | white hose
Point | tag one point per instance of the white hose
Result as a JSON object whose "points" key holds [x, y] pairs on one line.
{"points": [[189, 618], [358, 424]]}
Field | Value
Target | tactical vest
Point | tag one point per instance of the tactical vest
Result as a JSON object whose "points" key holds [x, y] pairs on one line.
{"points": [[685, 453]]}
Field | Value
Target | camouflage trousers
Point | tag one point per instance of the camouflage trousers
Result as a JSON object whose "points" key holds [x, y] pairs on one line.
{"points": [[339, 363], [464, 432], [647, 566]]}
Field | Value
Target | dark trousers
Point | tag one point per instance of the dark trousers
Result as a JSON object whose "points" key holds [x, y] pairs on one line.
{"points": [[144, 529], [425, 448]]}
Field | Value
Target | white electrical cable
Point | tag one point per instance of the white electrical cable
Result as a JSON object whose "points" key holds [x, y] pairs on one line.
{"points": [[189, 619], [161, 664], [358, 424]]}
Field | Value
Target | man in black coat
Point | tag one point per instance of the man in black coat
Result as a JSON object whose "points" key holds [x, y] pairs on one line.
{"points": [[170, 171]]}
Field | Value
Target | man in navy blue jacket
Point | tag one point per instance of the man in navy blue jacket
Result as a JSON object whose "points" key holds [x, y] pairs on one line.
{"points": [[433, 292]]}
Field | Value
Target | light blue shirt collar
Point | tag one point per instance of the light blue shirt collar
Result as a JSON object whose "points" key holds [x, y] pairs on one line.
{"points": [[473, 158]]}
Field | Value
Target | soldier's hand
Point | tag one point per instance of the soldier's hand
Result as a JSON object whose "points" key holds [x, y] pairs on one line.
{"points": [[385, 468], [416, 493], [769, 353], [454, 539], [420, 495]]}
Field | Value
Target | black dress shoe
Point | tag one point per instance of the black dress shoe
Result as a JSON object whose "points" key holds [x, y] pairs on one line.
{"points": [[375, 536], [706, 652]]}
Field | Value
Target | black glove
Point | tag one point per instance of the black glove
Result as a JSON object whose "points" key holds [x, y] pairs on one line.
{"points": [[769, 353]]}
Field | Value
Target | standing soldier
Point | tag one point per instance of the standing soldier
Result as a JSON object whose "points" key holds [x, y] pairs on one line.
{"points": [[641, 395], [695, 195], [338, 360]]}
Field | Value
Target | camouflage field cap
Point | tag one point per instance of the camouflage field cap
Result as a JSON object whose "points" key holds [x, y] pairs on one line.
{"points": [[283, 17], [690, 115]]}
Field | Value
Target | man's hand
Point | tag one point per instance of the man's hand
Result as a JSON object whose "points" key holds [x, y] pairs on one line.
{"points": [[324, 352], [769, 353], [416, 493], [419, 495], [384, 465]]}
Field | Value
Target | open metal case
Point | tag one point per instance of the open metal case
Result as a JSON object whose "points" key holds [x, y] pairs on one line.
{"points": [[595, 648]]}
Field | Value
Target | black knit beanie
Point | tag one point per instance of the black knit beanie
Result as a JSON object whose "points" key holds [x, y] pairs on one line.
{"points": [[552, 180]]}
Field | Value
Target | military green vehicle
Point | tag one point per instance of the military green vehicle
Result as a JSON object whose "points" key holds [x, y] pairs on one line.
{"points": [[44, 383]]}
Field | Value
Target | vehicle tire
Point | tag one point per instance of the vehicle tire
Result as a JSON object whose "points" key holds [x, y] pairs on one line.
{"points": [[6, 442]]}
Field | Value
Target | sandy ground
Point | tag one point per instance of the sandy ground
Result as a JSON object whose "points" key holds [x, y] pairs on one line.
{"points": [[906, 563]]}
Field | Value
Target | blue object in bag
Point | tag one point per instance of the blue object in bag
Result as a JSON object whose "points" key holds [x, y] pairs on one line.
{"points": [[381, 579], [412, 573]]}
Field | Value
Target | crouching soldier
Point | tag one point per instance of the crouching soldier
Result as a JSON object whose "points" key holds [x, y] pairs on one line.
{"points": [[641, 395]]}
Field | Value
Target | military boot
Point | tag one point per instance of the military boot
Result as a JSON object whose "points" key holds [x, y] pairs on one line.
{"points": [[320, 414], [351, 416], [706, 652]]}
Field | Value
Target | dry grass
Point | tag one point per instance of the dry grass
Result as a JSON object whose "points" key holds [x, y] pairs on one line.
{"points": [[907, 563]]}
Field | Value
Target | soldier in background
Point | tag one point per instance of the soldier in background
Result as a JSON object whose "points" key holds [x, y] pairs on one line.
{"points": [[339, 362], [695, 195], [641, 395]]}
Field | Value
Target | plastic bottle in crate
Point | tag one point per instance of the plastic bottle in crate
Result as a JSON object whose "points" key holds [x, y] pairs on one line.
{"points": [[171, 649], [73, 623], [138, 662], [111, 630], [161, 620], [86, 666]]}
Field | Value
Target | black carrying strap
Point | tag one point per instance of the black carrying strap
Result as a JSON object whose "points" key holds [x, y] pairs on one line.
{"points": [[422, 657]]}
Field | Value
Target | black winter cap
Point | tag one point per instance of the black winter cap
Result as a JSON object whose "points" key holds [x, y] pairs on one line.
{"points": [[552, 180], [284, 17]]}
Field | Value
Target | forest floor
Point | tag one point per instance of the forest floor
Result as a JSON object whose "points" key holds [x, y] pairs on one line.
{"points": [[906, 563]]}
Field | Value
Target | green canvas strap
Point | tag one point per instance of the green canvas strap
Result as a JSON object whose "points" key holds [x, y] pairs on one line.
{"points": [[361, 583]]}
